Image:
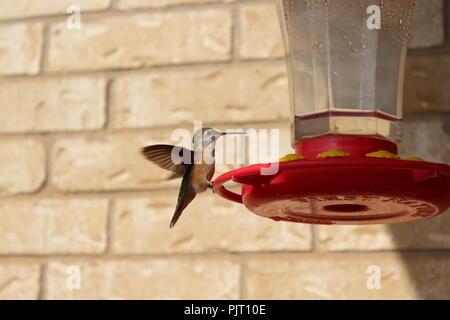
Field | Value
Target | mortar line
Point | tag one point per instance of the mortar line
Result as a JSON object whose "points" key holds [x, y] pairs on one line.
{"points": [[145, 70], [221, 255], [48, 146], [108, 112], [110, 227], [44, 49], [441, 49], [97, 195], [50, 18], [42, 281], [112, 5], [242, 277], [314, 246], [114, 11]]}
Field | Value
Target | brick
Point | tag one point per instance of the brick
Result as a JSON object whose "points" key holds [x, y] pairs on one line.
{"points": [[141, 40], [427, 83], [260, 35], [53, 226], [52, 104], [19, 281], [27, 8], [106, 162], [209, 224], [345, 276], [135, 4], [426, 137], [22, 165], [20, 48], [428, 24], [216, 278], [237, 94]]}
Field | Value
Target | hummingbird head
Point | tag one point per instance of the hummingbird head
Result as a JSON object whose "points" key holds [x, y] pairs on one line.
{"points": [[206, 136]]}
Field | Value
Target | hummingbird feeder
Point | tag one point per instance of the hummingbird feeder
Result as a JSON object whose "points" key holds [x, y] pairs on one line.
{"points": [[346, 62]]}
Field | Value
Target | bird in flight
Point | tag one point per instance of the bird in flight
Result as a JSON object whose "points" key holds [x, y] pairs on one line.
{"points": [[195, 167]]}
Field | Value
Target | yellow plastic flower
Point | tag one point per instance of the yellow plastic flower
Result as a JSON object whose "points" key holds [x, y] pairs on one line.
{"points": [[291, 157], [382, 154], [333, 153]]}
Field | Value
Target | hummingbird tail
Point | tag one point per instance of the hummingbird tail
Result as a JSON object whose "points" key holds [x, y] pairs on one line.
{"points": [[185, 196], [190, 195]]}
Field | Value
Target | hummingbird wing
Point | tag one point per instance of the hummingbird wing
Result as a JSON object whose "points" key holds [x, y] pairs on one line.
{"points": [[161, 155], [185, 196]]}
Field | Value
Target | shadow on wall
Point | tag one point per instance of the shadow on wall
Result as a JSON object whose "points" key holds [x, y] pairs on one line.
{"points": [[412, 239], [423, 244]]}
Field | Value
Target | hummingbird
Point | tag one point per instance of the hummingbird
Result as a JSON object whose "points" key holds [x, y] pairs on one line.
{"points": [[195, 167]]}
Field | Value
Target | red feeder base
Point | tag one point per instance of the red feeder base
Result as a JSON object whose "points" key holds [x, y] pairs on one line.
{"points": [[354, 189]]}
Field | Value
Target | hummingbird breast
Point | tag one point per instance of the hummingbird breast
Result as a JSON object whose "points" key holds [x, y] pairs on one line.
{"points": [[201, 176]]}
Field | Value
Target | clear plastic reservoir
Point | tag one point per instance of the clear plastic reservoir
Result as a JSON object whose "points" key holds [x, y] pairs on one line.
{"points": [[346, 61]]}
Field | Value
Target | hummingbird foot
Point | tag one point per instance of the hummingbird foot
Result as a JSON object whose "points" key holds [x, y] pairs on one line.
{"points": [[210, 185]]}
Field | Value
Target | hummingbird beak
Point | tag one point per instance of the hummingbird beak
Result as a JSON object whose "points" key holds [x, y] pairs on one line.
{"points": [[225, 133]]}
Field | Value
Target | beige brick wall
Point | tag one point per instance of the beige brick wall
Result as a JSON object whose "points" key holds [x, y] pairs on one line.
{"points": [[76, 106]]}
